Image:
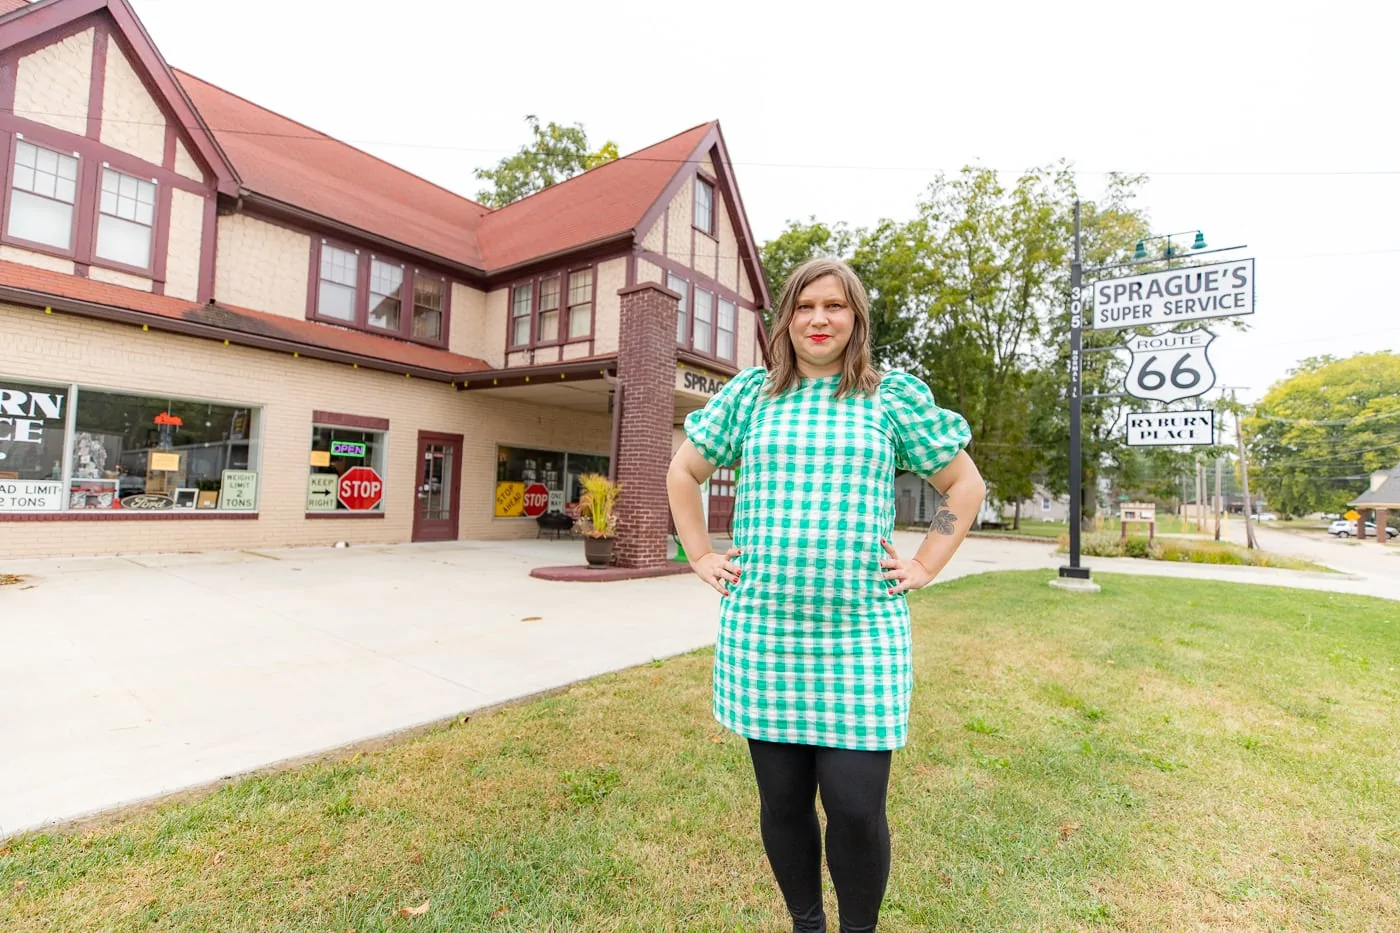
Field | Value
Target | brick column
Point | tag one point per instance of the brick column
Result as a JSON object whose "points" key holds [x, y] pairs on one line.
{"points": [[646, 374], [1382, 516]]}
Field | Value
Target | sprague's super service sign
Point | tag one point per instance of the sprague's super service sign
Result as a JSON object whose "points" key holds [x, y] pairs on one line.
{"points": [[1193, 293]]}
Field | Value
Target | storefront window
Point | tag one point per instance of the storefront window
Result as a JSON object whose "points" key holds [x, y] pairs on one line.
{"points": [[347, 470], [32, 421], [155, 453], [518, 469]]}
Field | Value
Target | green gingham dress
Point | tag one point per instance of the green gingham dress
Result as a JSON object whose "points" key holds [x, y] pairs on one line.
{"points": [[812, 649]]}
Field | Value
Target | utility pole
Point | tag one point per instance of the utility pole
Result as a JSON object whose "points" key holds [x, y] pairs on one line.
{"points": [[1074, 571], [1244, 479], [1219, 503]]}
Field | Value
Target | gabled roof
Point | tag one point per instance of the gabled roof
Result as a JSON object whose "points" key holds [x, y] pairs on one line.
{"points": [[292, 163], [608, 201], [23, 22], [1386, 495], [39, 287]]}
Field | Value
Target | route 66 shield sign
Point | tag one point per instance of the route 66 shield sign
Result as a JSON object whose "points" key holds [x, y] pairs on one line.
{"points": [[1170, 367]]}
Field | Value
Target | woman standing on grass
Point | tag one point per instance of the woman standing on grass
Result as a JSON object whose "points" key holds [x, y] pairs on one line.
{"points": [[813, 660]]}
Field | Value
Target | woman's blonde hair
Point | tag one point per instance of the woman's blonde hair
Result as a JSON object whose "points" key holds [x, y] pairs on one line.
{"points": [[858, 374]]}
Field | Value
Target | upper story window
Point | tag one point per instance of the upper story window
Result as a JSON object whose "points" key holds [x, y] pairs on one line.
{"points": [[580, 303], [706, 322], [340, 276], [358, 289], [704, 206], [703, 332], [726, 330], [553, 309], [126, 219], [42, 195], [681, 287]]}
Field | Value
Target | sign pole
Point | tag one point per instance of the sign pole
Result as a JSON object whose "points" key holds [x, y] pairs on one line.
{"points": [[1076, 407]]}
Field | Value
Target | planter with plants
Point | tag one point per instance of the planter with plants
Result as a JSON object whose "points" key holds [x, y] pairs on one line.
{"points": [[597, 520]]}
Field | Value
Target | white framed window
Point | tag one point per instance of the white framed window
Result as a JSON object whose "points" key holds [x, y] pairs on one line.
{"points": [[549, 310], [580, 303], [429, 302], [704, 206], [340, 275], [385, 294], [1044, 503], [704, 321], [520, 315], [727, 329], [681, 287], [126, 216], [42, 194], [335, 451]]}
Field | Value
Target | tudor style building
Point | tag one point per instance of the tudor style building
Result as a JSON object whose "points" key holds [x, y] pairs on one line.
{"points": [[221, 328]]}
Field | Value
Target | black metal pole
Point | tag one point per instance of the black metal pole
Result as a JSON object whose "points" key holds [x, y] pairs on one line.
{"points": [[1076, 406]]}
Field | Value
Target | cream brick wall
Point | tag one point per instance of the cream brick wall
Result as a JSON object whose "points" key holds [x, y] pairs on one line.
{"points": [[575, 351], [680, 214], [186, 243], [185, 163], [493, 327], [612, 278], [748, 345], [124, 279], [38, 260], [655, 240], [262, 266], [519, 358], [467, 330], [728, 248], [131, 119], [61, 348], [52, 84], [705, 256], [648, 272], [746, 289]]}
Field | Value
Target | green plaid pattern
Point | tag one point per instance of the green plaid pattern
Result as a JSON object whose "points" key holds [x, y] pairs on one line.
{"points": [[812, 649]]}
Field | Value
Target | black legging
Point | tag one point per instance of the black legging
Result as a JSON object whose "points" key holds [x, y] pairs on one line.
{"points": [[853, 786]]}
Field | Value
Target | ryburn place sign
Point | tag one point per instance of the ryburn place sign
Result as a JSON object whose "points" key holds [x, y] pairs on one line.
{"points": [[1170, 367]]}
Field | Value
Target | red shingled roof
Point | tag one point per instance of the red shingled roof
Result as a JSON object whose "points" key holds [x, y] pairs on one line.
{"points": [[237, 321], [283, 159], [9, 6], [286, 160], [609, 200]]}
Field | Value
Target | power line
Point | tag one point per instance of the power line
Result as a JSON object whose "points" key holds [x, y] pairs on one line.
{"points": [[312, 136]]}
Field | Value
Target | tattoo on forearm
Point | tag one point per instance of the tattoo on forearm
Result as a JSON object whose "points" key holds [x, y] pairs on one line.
{"points": [[944, 521]]}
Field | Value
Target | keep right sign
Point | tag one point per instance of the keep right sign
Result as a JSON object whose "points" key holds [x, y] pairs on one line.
{"points": [[1193, 293]]}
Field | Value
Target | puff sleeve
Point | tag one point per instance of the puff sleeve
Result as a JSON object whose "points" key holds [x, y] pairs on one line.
{"points": [[718, 429], [926, 437]]}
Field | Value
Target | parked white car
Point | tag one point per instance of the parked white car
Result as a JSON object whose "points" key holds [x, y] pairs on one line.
{"points": [[1345, 529]]}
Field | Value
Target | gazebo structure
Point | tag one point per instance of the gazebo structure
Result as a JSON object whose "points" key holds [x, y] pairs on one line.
{"points": [[1383, 496]]}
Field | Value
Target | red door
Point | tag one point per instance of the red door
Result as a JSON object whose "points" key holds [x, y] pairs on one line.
{"points": [[721, 500], [437, 498]]}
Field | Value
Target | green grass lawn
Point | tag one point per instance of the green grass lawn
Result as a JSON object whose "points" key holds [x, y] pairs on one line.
{"points": [[1167, 755], [1029, 526]]}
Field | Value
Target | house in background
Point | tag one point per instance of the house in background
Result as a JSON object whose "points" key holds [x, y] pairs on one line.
{"points": [[220, 328], [1383, 498], [1042, 506]]}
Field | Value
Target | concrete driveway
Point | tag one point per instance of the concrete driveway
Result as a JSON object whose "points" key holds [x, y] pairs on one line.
{"points": [[128, 678]]}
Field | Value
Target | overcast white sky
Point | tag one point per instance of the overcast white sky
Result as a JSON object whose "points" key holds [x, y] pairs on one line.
{"points": [[1260, 127]]}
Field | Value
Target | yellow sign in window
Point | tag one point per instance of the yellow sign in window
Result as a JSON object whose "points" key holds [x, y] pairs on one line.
{"points": [[510, 500]]}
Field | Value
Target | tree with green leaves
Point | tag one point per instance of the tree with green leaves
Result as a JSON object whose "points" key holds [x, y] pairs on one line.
{"points": [[1316, 436], [555, 153]]}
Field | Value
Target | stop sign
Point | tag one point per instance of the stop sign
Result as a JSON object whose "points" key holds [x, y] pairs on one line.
{"points": [[536, 499], [360, 488]]}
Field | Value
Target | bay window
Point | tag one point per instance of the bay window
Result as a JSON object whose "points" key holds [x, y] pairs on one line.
{"points": [[126, 217], [553, 309], [354, 288], [43, 192]]}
